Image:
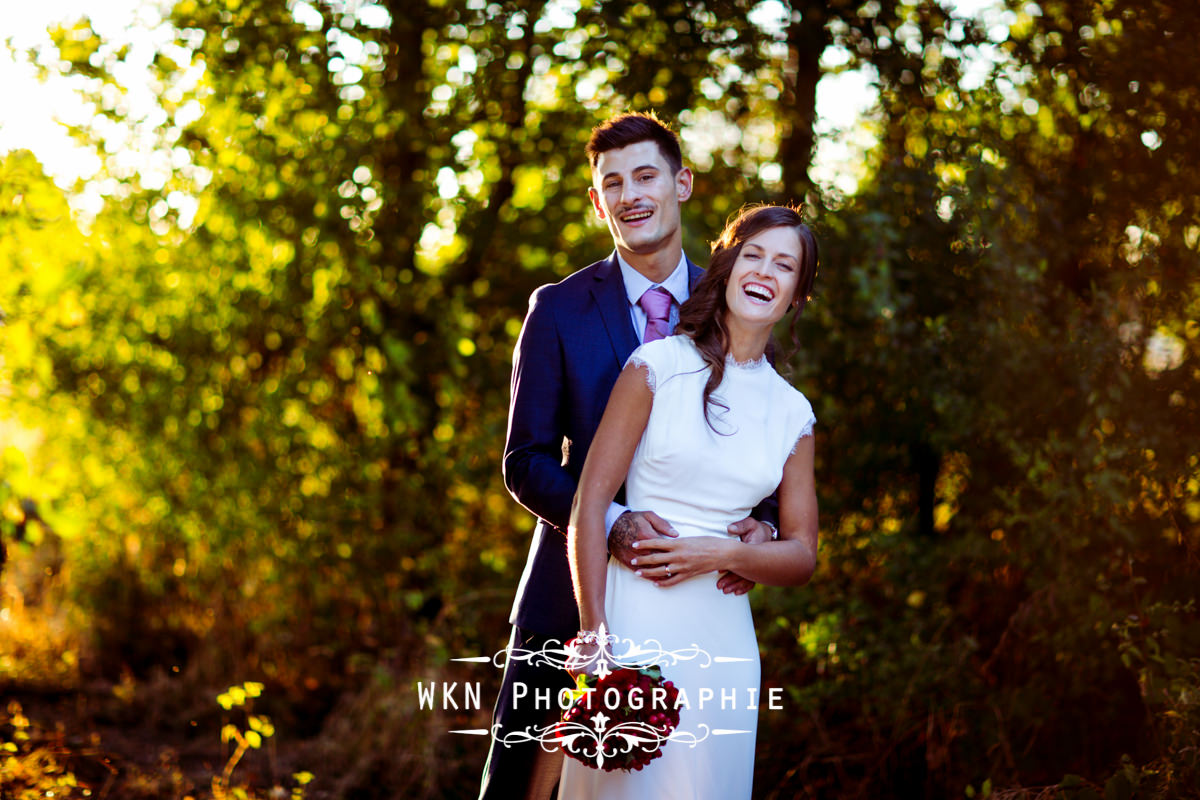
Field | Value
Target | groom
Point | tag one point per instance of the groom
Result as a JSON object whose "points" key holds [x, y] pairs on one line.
{"points": [[575, 340]]}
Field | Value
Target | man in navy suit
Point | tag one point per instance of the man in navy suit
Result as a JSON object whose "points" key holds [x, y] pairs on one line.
{"points": [[574, 343]]}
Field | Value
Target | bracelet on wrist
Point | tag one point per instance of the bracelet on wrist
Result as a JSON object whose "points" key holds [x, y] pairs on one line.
{"points": [[593, 637]]}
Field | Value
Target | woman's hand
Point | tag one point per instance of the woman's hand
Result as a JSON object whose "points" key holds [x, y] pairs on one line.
{"points": [[667, 562]]}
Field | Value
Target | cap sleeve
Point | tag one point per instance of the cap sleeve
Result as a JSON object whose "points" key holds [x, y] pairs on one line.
{"points": [[636, 359], [803, 419], [658, 358]]}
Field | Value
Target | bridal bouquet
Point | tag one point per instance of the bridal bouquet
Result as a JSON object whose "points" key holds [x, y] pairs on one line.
{"points": [[619, 719]]}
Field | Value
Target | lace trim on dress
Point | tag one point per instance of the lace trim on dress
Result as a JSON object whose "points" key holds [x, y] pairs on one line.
{"points": [[753, 363], [807, 430], [651, 378]]}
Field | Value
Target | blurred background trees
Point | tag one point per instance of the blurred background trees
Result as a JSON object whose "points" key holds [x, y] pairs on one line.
{"points": [[260, 397]]}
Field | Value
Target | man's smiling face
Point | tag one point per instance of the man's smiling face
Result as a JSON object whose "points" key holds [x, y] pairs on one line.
{"points": [[637, 194]]}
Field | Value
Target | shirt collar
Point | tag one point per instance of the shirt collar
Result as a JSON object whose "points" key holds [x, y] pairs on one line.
{"points": [[636, 283]]}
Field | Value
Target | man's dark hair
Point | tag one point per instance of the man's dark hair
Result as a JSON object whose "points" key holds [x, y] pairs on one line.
{"points": [[631, 128]]}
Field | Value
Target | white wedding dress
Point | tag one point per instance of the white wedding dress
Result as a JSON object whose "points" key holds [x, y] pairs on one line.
{"points": [[700, 481]]}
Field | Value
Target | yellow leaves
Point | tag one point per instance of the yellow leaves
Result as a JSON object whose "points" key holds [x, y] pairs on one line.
{"points": [[78, 45], [1045, 122], [238, 695], [19, 343], [33, 765], [308, 123], [293, 412], [818, 638], [322, 437], [11, 510], [227, 158], [529, 187], [69, 312], [1191, 236], [1022, 26], [17, 718], [950, 173], [343, 363], [948, 100], [252, 739], [321, 280], [313, 486], [369, 409], [984, 791], [373, 359], [282, 254], [439, 245], [916, 145], [942, 514], [1009, 127], [261, 725]]}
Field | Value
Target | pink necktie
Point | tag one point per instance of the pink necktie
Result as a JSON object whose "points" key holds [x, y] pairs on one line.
{"points": [[656, 302]]}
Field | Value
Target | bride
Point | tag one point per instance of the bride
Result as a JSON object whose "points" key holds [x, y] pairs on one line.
{"points": [[700, 428]]}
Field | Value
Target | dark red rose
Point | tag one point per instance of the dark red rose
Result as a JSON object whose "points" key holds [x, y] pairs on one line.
{"points": [[631, 737]]}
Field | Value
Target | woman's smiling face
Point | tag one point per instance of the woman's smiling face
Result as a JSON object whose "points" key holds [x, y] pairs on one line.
{"points": [[762, 282]]}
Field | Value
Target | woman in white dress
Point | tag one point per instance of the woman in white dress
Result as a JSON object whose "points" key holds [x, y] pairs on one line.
{"points": [[700, 428]]}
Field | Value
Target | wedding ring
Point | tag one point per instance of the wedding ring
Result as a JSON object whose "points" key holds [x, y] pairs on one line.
{"points": [[668, 570]]}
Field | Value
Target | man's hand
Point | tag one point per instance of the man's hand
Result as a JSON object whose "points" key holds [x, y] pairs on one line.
{"points": [[750, 531], [634, 526]]}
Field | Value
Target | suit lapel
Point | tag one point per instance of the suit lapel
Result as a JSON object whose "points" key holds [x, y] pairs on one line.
{"points": [[609, 293], [694, 275]]}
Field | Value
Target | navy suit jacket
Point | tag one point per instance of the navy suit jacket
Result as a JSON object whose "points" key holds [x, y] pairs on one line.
{"points": [[575, 341]]}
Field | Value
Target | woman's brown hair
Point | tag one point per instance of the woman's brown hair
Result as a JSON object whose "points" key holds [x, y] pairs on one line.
{"points": [[702, 317]]}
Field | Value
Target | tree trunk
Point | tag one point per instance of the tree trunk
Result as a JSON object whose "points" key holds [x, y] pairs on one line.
{"points": [[807, 39]]}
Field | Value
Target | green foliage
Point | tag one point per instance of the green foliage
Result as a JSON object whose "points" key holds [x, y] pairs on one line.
{"points": [[274, 420], [988, 367]]}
